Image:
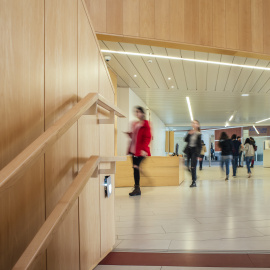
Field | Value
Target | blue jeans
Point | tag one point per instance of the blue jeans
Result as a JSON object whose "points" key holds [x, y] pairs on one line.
{"points": [[248, 161], [234, 164], [226, 160], [240, 158]]}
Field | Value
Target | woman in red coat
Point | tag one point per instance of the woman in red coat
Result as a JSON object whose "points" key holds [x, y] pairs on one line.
{"points": [[139, 146]]}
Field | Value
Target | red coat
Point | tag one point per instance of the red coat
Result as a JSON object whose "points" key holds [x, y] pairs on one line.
{"points": [[143, 139]]}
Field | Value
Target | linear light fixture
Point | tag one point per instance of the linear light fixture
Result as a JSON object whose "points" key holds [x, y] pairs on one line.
{"points": [[256, 129], [231, 118], [226, 124], [245, 95], [189, 108], [262, 120], [185, 59]]}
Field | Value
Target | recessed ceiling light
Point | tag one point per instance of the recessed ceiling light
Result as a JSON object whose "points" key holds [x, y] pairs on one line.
{"points": [[187, 59], [245, 95], [169, 78], [135, 75], [172, 86]]}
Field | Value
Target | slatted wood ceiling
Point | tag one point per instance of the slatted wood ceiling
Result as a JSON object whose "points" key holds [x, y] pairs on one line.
{"points": [[215, 91]]}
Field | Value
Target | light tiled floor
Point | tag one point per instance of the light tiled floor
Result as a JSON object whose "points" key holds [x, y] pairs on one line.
{"points": [[217, 216]]}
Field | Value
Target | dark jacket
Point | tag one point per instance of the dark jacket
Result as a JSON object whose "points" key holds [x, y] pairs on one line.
{"points": [[198, 143], [226, 147], [235, 150]]}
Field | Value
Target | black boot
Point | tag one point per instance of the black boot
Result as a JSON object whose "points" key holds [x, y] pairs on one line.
{"points": [[193, 184], [136, 191]]}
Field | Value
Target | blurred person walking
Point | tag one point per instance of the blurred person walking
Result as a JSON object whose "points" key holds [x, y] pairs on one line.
{"points": [[241, 149], [249, 153], [139, 145], [235, 151], [226, 152], [193, 148], [253, 143], [212, 152], [202, 154]]}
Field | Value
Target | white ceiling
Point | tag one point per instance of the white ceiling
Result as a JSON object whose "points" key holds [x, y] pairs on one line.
{"points": [[214, 91]]}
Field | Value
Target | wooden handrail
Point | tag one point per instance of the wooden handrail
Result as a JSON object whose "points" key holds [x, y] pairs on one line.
{"points": [[15, 169], [45, 234]]}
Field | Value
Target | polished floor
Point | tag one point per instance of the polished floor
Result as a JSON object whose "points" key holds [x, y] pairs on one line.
{"points": [[216, 217]]}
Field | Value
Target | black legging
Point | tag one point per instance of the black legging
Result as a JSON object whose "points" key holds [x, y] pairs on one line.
{"points": [[137, 161], [192, 154], [201, 161]]}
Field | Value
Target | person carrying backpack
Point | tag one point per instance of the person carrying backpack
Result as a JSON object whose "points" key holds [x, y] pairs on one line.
{"points": [[249, 149], [253, 143], [235, 151]]}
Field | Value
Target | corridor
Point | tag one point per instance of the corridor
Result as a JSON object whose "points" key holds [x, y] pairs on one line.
{"points": [[216, 217]]}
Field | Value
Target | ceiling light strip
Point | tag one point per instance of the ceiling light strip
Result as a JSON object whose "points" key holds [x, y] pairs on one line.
{"points": [[189, 108], [256, 129], [263, 120], [185, 59], [231, 118]]}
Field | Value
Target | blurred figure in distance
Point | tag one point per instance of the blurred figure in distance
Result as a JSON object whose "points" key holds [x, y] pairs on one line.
{"points": [[241, 149], [193, 148], [249, 153], [202, 154], [235, 151], [226, 152]]}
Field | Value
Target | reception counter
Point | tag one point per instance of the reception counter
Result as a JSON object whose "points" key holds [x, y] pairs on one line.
{"points": [[155, 172]]}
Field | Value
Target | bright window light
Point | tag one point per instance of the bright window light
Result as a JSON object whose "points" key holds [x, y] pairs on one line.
{"points": [[231, 118], [256, 129], [263, 120], [185, 59], [189, 108]]}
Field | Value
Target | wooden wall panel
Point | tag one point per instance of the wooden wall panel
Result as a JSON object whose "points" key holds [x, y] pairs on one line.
{"points": [[162, 19], [22, 207], [224, 24], [114, 16], [206, 22], [131, 17], [171, 148], [177, 20], [88, 144], [105, 86], [114, 82], [266, 23], [60, 96], [219, 19], [244, 27], [97, 12], [63, 251], [106, 204], [167, 142], [147, 18], [257, 25], [106, 149], [191, 24], [232, 12]]}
